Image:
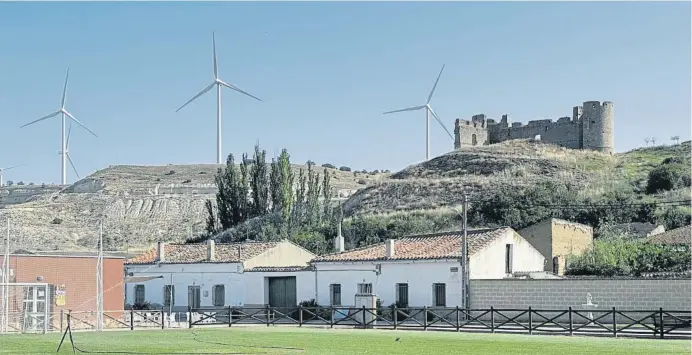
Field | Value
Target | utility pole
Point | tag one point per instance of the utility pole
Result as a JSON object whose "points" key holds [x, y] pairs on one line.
{"points": [[99, 281], [6, 280], [465, 256]]}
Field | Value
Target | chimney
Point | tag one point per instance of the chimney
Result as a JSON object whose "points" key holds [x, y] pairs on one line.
{"points": [[339, 240], [211, 250], [161, 251], [389, 248]]}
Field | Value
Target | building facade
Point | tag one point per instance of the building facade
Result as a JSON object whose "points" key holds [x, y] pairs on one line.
{"points": [[556, 239], [590, 127]]}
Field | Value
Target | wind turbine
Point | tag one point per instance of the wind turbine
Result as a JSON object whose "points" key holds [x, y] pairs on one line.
{"points": [[3, 170], [218, 83], [67, 151], [428, 112], [63, 142]]}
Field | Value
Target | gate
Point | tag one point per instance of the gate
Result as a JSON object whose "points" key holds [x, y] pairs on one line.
{"points": [[282, 293], [26, 307]]}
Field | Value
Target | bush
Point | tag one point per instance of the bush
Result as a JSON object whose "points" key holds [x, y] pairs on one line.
{"points": [[170, 172], [10, 182], [668, 176], [402, 311], [187, 181], [20, 183], [329, 166], [362, 182], [56, 220], [345, 168], [142, 306], [311, 311]]}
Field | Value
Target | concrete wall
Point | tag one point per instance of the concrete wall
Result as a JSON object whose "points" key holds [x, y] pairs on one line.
{"points": [[420, 276], [489, 263], [623, 294]]}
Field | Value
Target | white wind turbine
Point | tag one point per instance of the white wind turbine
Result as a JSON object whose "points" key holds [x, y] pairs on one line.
{"points": [[63, 141], [218, 83], [67, 151], [2, 170], [428, 111]]}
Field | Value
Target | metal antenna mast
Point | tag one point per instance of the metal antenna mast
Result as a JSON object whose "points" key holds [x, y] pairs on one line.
{"points": [[99, 281]]}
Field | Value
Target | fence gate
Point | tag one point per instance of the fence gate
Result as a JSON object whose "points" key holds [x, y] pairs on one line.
{"points": [[25, 307]]}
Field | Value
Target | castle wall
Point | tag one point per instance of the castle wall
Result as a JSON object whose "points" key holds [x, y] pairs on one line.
{"points": [[469, 134], [598, 126], [564, 133]]}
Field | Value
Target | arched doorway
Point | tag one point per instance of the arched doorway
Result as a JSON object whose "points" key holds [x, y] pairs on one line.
{"points": [[474, 141]]}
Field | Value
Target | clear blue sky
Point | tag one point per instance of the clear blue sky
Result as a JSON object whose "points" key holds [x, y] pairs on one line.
{"points": [[326, 71]]}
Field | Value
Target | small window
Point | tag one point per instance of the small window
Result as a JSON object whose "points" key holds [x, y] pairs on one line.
{"points": [[556, 265], [219, 295], [139, 294], [508, 258], [335, 294], [402, 294], [364, 288], [169, 295], [440, 295]]}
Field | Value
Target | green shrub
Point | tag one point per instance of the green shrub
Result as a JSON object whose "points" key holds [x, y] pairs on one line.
{"points": [[670, 175]]}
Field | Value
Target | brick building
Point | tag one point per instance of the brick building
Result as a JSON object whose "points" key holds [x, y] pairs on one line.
{"points": [[71, 279]]}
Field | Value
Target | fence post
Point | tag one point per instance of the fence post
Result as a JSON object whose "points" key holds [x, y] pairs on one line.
{"points": [[615, 325], [660, 319], [396, 316], [331, 316], [61, 319], [230, 316], [268, 310], [492, 319], [570, 319], [163, 319], [132, 319], [189, 317], [458, 325], [530, 321], [300, 315], [425, 317], [363, 317]]}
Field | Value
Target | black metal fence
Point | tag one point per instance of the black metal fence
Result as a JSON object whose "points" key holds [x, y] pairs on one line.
{"points": [[605, 322]]}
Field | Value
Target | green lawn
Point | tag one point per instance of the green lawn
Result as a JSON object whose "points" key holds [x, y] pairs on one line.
{"points": [[260, 340]]}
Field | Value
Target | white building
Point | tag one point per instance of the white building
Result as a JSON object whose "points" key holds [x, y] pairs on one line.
{"points": [[416, 271], [175, 276], [422, 270]]}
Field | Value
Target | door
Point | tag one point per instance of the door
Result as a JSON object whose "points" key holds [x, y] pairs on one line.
{"points": [[34, 308], [282, 293], [193, 297]]}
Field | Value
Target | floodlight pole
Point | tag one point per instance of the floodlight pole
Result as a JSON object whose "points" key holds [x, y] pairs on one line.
{"points": [[6, 280], [99, 281], [465, 256]]}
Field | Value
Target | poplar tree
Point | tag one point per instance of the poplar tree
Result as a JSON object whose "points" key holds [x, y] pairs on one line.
{"points": [[259, 183]]}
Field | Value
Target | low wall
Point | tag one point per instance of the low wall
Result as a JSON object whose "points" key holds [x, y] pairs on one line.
{"points": [[560, 294]]}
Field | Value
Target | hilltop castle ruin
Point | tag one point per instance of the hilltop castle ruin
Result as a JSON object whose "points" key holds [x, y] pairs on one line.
{"points": [[590, 127]]}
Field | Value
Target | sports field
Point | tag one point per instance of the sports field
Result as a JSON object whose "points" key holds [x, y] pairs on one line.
{"points": [[260, 340]]}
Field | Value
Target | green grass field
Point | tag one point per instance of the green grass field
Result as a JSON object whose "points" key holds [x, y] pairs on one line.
{"points": [[260, 340]]}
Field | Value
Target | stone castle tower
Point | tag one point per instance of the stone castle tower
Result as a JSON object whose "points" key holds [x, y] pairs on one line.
{"points": [[590, 127]]}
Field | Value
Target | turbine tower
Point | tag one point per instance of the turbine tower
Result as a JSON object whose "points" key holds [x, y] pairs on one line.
{"points": [[3, 170], [218, 83], [67, 151], [63, 142], [428, 112]]}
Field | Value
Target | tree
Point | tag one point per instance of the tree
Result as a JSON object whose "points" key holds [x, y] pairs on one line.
{"points": [[313, 194], [299, 205], [326, 194], [345, 168], [275, 186], [243, 188], [213, 226], [286, 184], [259, 183]]}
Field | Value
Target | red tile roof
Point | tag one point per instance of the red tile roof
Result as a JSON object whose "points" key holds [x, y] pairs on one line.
{"points": [[445, 245], [682, 235], [197, 253]]}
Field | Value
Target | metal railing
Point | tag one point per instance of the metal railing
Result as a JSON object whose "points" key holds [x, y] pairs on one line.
{"points": [[609, 322]]}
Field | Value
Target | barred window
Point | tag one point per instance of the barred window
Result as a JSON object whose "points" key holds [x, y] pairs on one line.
{"points": [[364, 288], [219, 295], [169, 295], [402, 294], [439, 295], [139, 294], [335, 294]]}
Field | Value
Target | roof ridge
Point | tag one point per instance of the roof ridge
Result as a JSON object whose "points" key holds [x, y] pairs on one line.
{"points": [[437, 234]]}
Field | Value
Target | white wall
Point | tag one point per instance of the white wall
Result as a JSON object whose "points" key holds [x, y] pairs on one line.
{"points": [[420, 276], [489, 263]]}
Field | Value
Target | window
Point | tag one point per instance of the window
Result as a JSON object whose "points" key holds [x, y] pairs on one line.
{"points": [[474, 140], [402, 295], [440, 295], [139, 294], [508, 258], [556, 265], [335, 294], [219, 295], [169, 295], [364, 288]]}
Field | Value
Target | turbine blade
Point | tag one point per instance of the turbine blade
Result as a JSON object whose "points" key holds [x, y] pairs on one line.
{"points": [[198, 95], [216, 65], [440, 122], [42, 118], [67, 140], [435, 86], [69, 159], [64, 89], [414, 108], [79, 123], [238, 90], [11, 167]]}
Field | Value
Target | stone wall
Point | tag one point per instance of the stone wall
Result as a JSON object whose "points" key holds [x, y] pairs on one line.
{"points": [[556, 294]]}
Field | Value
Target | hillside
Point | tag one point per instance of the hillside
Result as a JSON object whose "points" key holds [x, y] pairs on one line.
{"points": [[140, 205], [144, 204]]}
